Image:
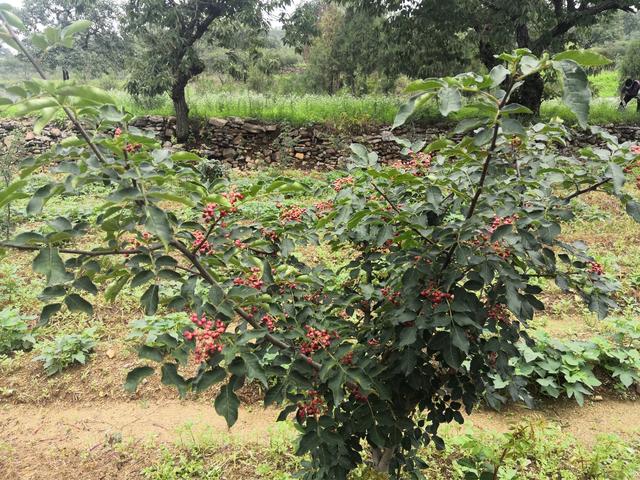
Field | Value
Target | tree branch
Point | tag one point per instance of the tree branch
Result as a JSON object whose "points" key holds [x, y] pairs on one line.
{"points": [[592, 188], [87, 253]]}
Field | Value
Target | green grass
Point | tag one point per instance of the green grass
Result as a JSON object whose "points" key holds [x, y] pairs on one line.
{"points": [[606, 83]]}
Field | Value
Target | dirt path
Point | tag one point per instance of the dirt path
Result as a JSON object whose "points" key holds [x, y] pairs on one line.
{"points": [[61, 438]]}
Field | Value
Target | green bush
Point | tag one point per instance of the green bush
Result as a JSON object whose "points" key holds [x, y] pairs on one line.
{"points": [[630, 65], [65, 350], [160, 336], [15, 333], [572, 368]]}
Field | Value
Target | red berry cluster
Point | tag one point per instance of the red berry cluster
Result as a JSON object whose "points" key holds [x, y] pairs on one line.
{"points": [[253, 281], [357, 394], [292, 214], [269, 322], [499, 221], [322, 207], [347, 359], [269, 234], [499, 313], [240, 244], [201, 244], [132, 147], [435, 295], [317, 340], [373, 342], [310, 408], [117, 132], [315, 297], [391, 295], [343, 182], [595, 268], [287, 286], [416, 164], [635, 149], [206, 337]]}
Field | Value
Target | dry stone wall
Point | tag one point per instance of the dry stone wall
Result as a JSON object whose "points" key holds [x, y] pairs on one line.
{"points": [[242, 143]]}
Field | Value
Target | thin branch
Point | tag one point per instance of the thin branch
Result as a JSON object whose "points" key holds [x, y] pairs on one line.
{"points": [[592, 188], [398, 211], [42, 75], [87, 253], [485, 168]]}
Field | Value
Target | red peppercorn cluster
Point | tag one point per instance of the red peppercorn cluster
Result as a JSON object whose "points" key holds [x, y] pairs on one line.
{"points": [[240, 244], [417, 163], [391, 295], [269, 322], [347, 359], [317, 340], [201, 244], [269, 234], [253, 280], [323, 207], [292, 214], [373, 342], [343, 182], [315, 297], [132, 147], [357, 394], [499, 313], [287, 286], [206, 336], [635, 149], [499, 221], [595, 268], [117, 132], [435, 295], [209, 211], [310, 408]]}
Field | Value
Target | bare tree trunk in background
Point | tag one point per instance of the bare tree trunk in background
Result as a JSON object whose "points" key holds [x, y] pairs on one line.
{"points": [[181, 108]]}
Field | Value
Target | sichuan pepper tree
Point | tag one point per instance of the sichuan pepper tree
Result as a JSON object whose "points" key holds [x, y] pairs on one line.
{"points": [[447, 247]]}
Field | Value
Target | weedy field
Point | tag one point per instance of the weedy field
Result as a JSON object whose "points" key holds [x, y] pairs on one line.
{"points": [[62, 402]]}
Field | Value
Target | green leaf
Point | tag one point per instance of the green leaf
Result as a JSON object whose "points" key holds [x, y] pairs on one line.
{"points": [[86, 92], [76, 27], [158, 224], [114, 289], [27, 106], [405, 111], [48, 311], [45, 117], [586, 58], [149, 299], [49, 263], [254, 369], [141, 278], [633, 209], [170, 376], [13, 20], [577, 95], [449, 100], [76, 303], [511, 126], [209, 378], [12, 192], [185, 157], [39, 41], [135, 376], [498, 75], [227, 404], [424, 85]]}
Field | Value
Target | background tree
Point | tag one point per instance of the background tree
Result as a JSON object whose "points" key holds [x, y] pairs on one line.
{"points": [[432, 29], [96, 51], [167, 33]]}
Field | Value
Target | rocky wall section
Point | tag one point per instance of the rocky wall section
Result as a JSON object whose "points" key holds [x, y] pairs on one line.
{"points": [[241, 143]]}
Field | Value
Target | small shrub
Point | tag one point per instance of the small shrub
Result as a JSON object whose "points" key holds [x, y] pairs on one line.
{"points": [[211, 169], [15, 333], [630, 66], [182, 467], [160, 336], [65, 350]]}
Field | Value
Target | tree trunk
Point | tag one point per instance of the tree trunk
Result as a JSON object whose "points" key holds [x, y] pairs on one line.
{"points": [[381, 459], [182, 110], [530, 93]]}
